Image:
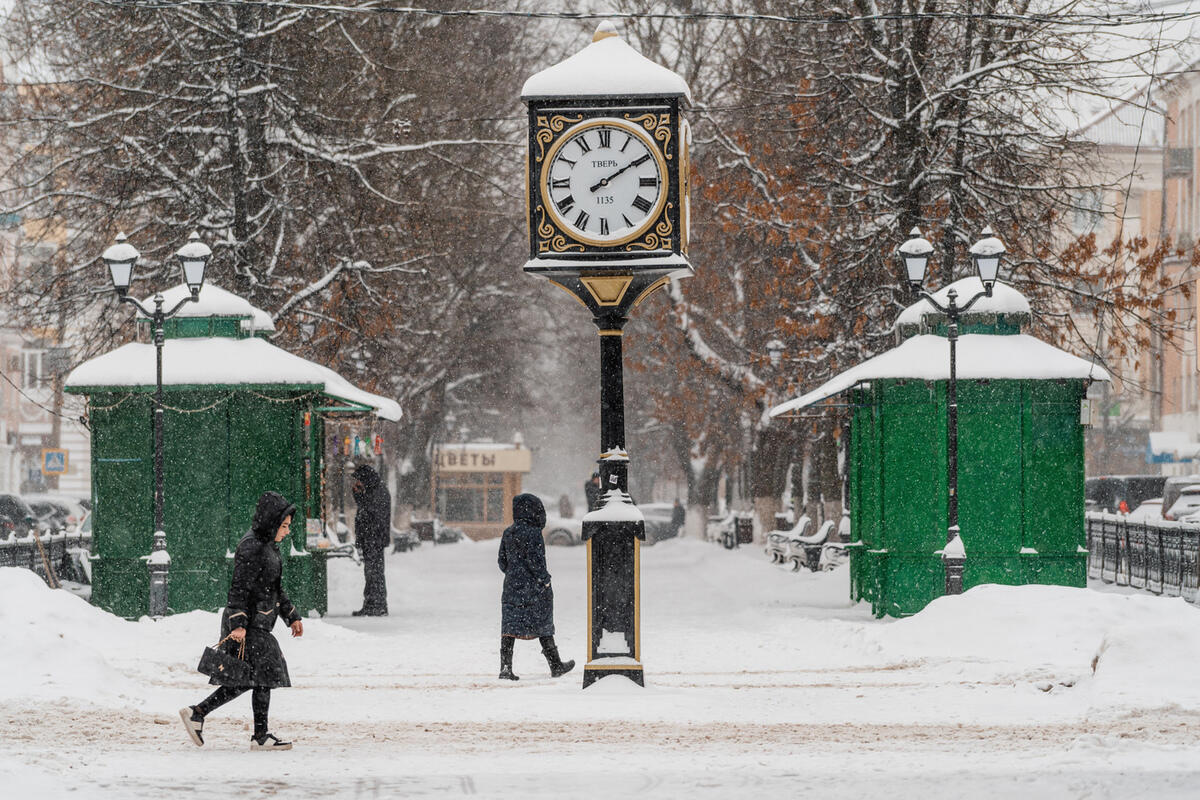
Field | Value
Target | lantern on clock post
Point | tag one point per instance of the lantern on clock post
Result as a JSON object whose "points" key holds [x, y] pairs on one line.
{"points": [[607, 199]]}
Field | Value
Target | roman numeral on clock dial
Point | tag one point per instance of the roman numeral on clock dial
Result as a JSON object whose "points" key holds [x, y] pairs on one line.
{"points": [[603, 188]]}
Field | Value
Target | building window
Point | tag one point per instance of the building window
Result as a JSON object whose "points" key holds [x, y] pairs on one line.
{"points": [[471, 497], [31, 369], [1086, 212]]}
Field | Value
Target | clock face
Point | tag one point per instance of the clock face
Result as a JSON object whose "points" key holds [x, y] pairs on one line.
{"points": [[604, 182]]}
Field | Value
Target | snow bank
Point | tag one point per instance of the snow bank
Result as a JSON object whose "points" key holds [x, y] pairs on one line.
{"points": [[1136, 651], [55, 643]]}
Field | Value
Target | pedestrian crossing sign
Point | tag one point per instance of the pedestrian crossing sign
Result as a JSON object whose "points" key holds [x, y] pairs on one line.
{"points": [[54, 462]]}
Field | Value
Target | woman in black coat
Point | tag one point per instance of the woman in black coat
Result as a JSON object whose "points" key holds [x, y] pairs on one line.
{"points": [[527, 603], [256, 600]]}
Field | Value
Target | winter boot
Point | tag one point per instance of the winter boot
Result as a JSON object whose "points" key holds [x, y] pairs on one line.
{"points": [[268, 741], [558, 667], [506, 656], [194, 724]]}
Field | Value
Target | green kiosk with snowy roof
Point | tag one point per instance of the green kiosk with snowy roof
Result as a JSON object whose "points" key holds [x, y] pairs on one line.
{"points": [[242, 417], [1021, 411]]}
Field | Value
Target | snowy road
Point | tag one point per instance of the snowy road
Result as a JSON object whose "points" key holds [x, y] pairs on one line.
{"points": [[760, 683]]}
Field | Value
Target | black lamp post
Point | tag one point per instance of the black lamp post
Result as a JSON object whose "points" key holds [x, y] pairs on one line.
{"points": [[986, 254], [121, 259]]}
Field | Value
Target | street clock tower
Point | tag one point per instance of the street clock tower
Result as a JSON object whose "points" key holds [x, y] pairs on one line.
{"points": [[607, 194]]}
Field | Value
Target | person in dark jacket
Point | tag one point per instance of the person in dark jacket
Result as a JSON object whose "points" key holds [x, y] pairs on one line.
{"points": [[527, 602], [256, 600], [372, 534], [591, 490], [678, 517]]}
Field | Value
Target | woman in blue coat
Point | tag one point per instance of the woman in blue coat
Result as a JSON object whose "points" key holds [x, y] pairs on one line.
{"points": [[527, 603]]}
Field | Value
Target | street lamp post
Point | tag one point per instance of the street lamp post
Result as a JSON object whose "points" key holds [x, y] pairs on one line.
{"points": [[986, 254], [193, 259]]}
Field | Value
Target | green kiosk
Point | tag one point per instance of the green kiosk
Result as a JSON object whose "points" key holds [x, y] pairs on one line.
{"points": [[1021, 411], [242, 417]]}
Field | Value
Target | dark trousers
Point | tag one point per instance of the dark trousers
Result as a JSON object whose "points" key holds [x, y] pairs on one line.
{"points": [[260, 701], [508, 644], [374, 584]]}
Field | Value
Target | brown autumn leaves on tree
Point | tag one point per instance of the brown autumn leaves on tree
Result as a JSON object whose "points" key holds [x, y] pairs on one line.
{"points": [[359, 176], [828, 143]]}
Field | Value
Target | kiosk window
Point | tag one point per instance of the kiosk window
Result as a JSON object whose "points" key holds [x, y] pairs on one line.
{"points": [[471, 497]]}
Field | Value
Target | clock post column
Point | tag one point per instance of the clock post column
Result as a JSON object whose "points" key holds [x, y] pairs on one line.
{"points": [[614, 532], [607, 197]]}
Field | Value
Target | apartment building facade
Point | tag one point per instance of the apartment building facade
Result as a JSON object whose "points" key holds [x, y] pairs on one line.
{"points": [[1148, 419]]}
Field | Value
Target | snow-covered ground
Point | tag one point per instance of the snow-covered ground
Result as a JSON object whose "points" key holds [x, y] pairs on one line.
{"points": [[760, 683]]}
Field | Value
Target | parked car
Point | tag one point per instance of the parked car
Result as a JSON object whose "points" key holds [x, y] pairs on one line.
{"points": [[566, 531], [77, 564], [15, 515], [1107, 492], [658, 521], [54, 512], [1187, 504], [82, 527], [1149, 511], [1172, 488]]}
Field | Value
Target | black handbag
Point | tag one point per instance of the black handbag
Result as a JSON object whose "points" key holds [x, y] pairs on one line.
{"points": [[226, 665]]}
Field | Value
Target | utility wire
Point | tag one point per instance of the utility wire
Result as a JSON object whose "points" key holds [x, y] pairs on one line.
{"points": [[21, 392], [1091, 20]]}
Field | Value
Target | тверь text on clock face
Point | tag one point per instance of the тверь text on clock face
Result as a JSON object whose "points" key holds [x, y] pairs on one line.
{"points": [[604, 182]]}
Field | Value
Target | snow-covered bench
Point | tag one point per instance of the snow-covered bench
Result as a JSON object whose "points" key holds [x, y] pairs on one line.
{"points": [[778, 542], [805, 551]]}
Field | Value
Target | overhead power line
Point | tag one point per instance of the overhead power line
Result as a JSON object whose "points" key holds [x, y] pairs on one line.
{"points": [[1106, 19]]}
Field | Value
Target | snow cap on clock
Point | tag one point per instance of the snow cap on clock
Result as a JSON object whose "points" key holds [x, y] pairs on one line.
{"points": [[607, 67]]}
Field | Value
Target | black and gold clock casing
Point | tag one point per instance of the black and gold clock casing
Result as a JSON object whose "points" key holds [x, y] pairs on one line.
{"points": [[607, 184]]}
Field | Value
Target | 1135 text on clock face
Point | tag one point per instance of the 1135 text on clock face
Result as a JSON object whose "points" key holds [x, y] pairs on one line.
{"points": [[605, 182]]}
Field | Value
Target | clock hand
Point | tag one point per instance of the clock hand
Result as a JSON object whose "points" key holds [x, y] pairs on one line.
{"points": [[605, 181]]}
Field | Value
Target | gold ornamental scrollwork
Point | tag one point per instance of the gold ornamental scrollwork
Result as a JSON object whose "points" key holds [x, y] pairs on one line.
{"points": [[551, 240], [660, 239], [559, 244], [549, 127], [658, 126], [545, 229]]}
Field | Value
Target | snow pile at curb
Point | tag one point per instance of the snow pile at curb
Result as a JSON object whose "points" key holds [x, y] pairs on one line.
{"points": [[54, 643], [1135, 650], [57, 645]]}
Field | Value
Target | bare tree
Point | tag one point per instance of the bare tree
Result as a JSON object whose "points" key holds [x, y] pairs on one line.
{"points": [[357, 175], [832, 138]]}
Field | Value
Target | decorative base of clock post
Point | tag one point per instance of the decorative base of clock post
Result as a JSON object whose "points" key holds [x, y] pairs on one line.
{"points": [[614, 534], [593, 672]]}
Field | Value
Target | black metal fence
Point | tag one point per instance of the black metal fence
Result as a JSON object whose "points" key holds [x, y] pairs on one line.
{"points": [[65, 554], [1156, 555]]}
